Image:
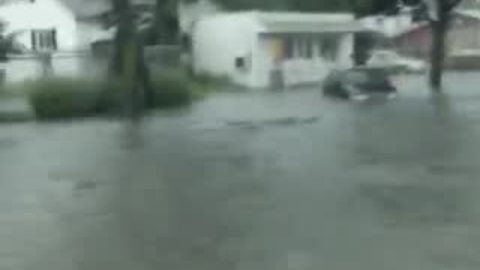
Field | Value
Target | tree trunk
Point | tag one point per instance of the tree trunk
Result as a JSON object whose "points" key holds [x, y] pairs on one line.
{"points": [[144, 76], [361, 49], [128, 63], [439, 34], [124, 34], [362, 42]]}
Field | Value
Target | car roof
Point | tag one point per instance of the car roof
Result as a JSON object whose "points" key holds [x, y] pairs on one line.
{"points": [[366, 69], [384, 52]]}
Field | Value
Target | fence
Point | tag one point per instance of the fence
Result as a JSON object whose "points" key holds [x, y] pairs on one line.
{"points": [[72, 64], [85, 64]]}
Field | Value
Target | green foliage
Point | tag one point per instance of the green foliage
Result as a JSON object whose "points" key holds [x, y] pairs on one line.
{"points": [[209, 81], [164, 26], [171, 89], [56, 98], [111, 98], [177, 87], [319, 5], [8, 43], [60, 98]]}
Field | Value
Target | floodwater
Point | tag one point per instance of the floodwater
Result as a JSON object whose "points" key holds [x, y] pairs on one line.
{"points": [[285, 180]]}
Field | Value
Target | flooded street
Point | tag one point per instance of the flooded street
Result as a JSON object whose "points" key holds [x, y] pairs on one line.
{"points": [[285, 180]]}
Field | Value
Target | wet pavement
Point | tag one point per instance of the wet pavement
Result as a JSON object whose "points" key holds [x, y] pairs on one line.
{"points": [[285, 180]]}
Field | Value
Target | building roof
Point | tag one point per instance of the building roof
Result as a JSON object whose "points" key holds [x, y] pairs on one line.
{"points": [[92, 8], [295, 22]]}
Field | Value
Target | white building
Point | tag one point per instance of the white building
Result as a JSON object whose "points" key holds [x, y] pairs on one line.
{"points": [[50, 25], [262, 49], [53, 26]]}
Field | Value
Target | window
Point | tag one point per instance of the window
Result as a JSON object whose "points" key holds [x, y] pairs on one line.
{"points": [[44, 40], [240, 63], [305, 48], [298, 47], [308, 48], [289, 48]]}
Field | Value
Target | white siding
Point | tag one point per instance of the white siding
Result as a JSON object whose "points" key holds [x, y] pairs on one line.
{"points": [[26, 67], [218, 41], [301, 69], [42, 14], [263, 63]]}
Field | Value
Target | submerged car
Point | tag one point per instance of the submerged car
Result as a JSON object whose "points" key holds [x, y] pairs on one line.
{"points": [[359, 84]]}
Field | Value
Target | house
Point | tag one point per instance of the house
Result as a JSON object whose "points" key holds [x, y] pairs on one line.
{"points": [[48, 25], [464, 34], [415, 38], [263, 49], [386, 30], [65, 29]]}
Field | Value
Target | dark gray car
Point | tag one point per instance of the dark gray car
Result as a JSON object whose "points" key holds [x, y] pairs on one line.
{"points": [[359, 83]]}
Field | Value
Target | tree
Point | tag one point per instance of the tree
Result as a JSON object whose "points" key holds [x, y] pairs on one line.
{"points": [[439, 15], [128, 64], [164, 27], [438, 12], [8, 42]]}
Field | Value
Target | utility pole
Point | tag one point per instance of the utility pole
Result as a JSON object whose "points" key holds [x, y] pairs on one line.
{"points": [[439, 15]]}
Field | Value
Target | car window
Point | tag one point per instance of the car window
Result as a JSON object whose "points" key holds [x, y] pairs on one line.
{"points": [[385, 56], [366, 77], [357, 77]]}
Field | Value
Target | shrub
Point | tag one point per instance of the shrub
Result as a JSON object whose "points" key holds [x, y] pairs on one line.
{"points": [[209, 81], [111, 98], [172, 89], [56, 98], [63, 97]]}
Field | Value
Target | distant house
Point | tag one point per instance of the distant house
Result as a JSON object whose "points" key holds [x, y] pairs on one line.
{"points": [[49, 25], [389, 26], [76, 33], [55, 27], [464, 35], [415, 38], [263, 49]]}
